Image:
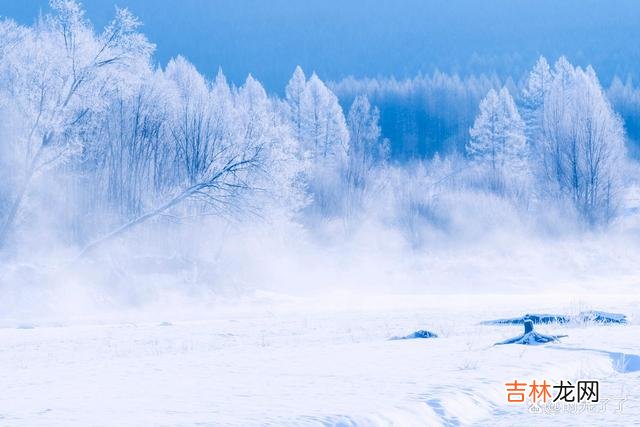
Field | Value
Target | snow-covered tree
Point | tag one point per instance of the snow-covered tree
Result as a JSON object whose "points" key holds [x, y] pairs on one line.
{"points": [[320, 128], [277, 184], [532, 98], [57, 75], [294, 95], [192, 127], [365, 148], [498, 144], [367, 152], [582, 143], [132, 152], [324, 130]]}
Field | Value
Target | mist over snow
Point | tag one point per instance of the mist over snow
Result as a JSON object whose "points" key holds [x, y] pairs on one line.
{"points": [[124, 183], [204, 234]]}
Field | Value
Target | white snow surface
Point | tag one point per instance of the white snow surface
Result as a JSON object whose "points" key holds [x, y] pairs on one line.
{"points": [[293, 361]]}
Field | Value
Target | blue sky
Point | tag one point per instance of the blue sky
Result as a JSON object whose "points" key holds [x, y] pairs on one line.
{"points": [[338, 38]]}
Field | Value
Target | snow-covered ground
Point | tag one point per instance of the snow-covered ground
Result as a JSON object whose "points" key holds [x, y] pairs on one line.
{"points": [[302, 361]]}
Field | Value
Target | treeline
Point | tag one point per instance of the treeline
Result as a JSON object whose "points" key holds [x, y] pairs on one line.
{"points": [[424, 115], [102, 141], [431, 114], [97, 141]]}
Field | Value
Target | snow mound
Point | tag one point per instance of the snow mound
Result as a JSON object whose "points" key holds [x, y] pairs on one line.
{"points": [[416, 335]]}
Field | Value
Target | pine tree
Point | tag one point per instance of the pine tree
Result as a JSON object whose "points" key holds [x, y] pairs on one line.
{"points": [[498, 144], [532, 99], [319, 127], [294, 93], [324, 130]]}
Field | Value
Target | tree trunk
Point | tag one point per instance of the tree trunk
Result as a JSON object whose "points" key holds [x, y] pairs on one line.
{"points": [[528, 326]]}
